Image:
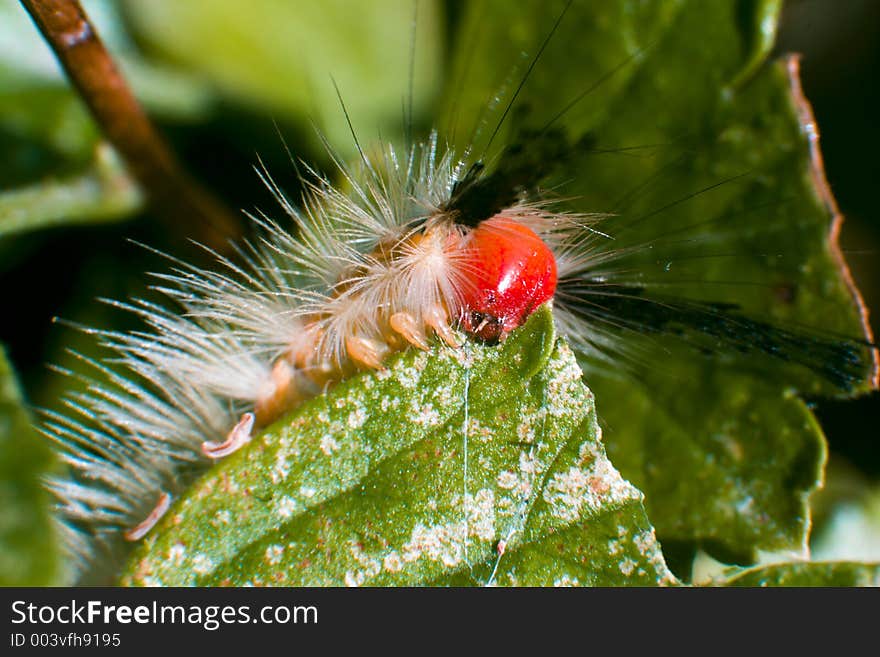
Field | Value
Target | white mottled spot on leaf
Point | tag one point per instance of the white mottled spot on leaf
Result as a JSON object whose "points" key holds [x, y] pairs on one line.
{"points": [[441, 543], [274, 554], [328, 444], [392, 563], [287, 506], [507, 480], [357, 418], [481, 514], [587, 490], [202, 564], [281, 468], [177, 554], [426, 415]]}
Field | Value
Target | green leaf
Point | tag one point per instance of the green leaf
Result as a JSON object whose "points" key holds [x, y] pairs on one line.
{"points": [[102, 192], [720, 185], [284, 58], [379, 483], [56, 169], [735, 471], [831, 573], [36, 100], [28, 546]]}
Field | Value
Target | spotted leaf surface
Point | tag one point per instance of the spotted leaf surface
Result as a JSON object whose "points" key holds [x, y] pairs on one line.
{"points": [[474, 466]]}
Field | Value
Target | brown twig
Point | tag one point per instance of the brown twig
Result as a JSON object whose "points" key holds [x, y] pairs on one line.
{"points": [[172, 193]]}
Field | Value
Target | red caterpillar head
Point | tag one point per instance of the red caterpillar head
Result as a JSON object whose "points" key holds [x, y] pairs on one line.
{"points": [[510, 272]]}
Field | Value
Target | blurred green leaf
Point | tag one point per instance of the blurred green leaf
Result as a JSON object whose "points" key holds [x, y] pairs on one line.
{"points": [[102, 192], [27, 65], [374, 483], [55, 168], [734, 470], [840, 573], [283, 57], [28, 545], [714, 197]]}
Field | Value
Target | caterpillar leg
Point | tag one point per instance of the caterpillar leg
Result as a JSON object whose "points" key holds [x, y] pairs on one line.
{"points": [[140, 530], [305, 357], [283, 392], [366, 352], [437, 318], [409, 328], [237, 438]]}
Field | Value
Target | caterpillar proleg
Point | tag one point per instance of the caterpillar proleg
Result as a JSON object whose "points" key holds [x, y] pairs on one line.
{"points": [[435, 241]]}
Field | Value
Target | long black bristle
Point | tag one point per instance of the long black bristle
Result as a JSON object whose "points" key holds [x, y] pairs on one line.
{"points": [[524, 163], [717, 328]]}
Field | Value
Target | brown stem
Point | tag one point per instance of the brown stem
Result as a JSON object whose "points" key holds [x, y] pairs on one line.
{"points": [[172, 193]]}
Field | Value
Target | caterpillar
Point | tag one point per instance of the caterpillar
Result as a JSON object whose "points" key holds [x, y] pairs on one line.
{"points": [[412, 243]]}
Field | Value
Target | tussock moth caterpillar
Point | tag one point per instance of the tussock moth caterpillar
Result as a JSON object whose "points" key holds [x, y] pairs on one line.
{"points": [[412, 242]]}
